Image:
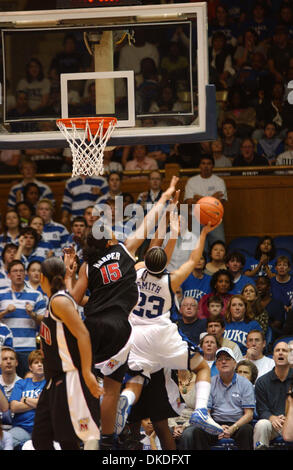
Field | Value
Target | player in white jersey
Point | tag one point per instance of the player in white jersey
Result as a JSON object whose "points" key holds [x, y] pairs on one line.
{"points": [[156, 342]]}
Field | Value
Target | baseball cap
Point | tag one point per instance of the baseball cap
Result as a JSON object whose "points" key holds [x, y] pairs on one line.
{"points": [[227, 351]]}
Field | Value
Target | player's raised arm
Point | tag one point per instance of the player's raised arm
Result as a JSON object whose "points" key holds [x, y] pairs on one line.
{"points": [[134, 241], [178, 276]]}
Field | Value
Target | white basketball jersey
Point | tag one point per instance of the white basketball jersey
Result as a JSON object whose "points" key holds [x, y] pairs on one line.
{"points": [[155, 298]]}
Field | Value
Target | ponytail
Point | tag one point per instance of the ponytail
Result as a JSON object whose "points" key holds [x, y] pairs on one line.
{"points": [[57, 283]]}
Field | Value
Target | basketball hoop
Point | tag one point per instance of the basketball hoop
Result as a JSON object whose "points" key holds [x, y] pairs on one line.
{"points": [[87, 138]]}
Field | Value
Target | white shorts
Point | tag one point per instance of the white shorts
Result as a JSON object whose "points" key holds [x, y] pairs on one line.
{"points": [[157, 345]]}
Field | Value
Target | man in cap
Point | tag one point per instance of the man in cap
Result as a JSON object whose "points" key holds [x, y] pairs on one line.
{"points": [[231, 405]]}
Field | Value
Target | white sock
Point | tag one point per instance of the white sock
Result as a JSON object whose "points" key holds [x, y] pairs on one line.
{"points": [[202, 392], [130, 395]]}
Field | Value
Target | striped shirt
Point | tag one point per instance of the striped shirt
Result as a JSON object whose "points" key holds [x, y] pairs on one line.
{"points": [[24, 328], [56, 235], [45, 192], [78, 193], [7, 238], [6, 337]]}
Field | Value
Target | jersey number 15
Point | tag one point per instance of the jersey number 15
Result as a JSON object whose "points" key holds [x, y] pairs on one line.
{"points": [[110, 273]]}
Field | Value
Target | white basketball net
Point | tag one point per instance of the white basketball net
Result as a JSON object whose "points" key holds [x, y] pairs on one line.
{"points": [[87, 148]]}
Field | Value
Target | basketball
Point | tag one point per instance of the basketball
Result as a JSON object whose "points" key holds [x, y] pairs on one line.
{"points": [[209, 209]]}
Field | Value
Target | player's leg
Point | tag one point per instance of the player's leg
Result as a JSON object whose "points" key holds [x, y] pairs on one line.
{"points": [[129, 397], [200, 417], [164, 434]]}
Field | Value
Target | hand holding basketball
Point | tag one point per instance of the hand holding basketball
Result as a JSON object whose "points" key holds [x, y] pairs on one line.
{"points": [[209, 209]]}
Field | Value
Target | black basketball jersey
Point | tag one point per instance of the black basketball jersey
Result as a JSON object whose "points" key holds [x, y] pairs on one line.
{"points": [[61, 353], [112, 282]]}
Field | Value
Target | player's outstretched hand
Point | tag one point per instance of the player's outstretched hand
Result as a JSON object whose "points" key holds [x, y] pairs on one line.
{"points": [[208, 228], [172, 187]]}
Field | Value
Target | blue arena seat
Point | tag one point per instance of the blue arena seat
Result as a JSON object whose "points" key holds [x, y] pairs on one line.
{"points": [[246, 245], [284, 252], [285, 242], [225, 444]]}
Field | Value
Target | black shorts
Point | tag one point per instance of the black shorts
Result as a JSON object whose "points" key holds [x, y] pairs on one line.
{"points": [[109, 333], [154, 401], [61, 419]]}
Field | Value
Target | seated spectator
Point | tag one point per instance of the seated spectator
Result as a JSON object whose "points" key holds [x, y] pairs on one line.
{"points": [[247, 369], [55, 234], [90, 217], [221, 66], [197, 283], [27, 169], [263, 263], [175, 65], [8, 376], [80, 192], [231, 405], [24, 400], [260, 22], [25, 211], [271, 393], [216, 327], [249, 292], [286, 158], [244, 52], [22, 316], [217, 152], [237, 109], [273, 108], [256, 345], [239, 321], [28, 247], [34, 276], [111, 166], [78, 235], [11, 228], [167, 104], [31, 193], [19, 111], [275, 308], [235, 262], [221, 285], [68, 60], [150, 197], [114, 184], [282, 283], [279, 52], [189, 325], [215, 306], [223, 24], [36, 85], [7, 256], [254, 77], [37, 223], [270, 146], [248, 157], [209, 345], [140, 160], [231, 143], [217, 255], [147, 85], [286, 18]]}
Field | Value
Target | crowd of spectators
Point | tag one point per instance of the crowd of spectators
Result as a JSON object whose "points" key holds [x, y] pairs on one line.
{"points": [[250, 64], [237, 308]]}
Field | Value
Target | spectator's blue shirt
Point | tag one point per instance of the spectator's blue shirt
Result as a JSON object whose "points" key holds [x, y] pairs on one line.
{"points": [[241, 283], [29, 389], [196, 288], [252, 263], [227, 403], [282, 291], [237, 331], [78, 194]]}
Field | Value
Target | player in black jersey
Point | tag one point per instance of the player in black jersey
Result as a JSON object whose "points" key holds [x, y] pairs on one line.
{"points": [[68, 408], [109, 274]]}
